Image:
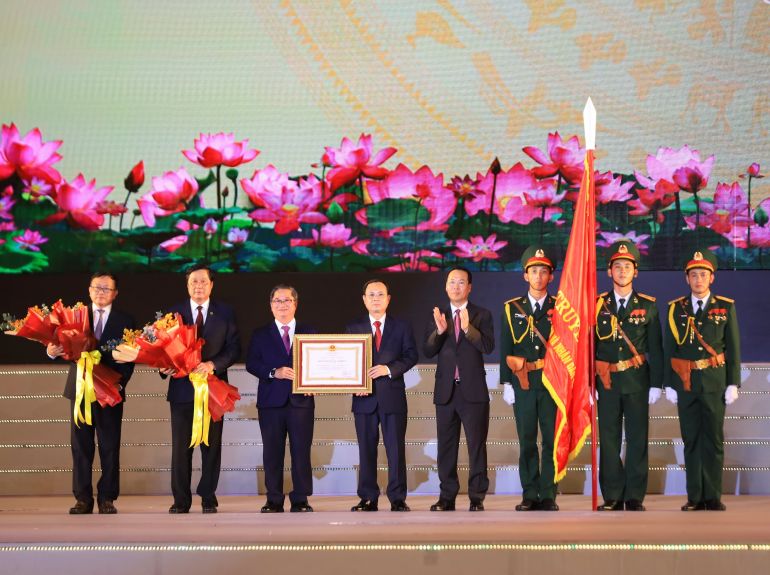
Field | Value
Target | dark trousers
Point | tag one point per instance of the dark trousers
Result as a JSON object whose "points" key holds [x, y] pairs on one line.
{"points": [[535, 408], [619, 482], [182, 456], [275, 425], [394, 437], [106, 425], [474, 418], [701, 420]]}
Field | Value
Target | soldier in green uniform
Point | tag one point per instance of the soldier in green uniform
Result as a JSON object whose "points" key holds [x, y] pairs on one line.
{"points": [[702, 375], [629, 367], [526, 325]]}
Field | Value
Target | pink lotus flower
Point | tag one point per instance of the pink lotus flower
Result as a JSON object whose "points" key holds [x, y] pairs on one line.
{"points": [[170, 194], [220, 149], [654, 201], [236, 236], [30, 240], [6, 203], [7, 226], [667, 161], [510, 184], [690, 179], [606, 239], [479, 248], [78, 201], [135, 178], [111, 208], [173, 244], [422, 186], [752, 172], [37, 188], [464, 188], [210, 227], [730, 208], [29, 156], [611, 189], [350, 161], [331, 236], [564, 158], [285, 202]]}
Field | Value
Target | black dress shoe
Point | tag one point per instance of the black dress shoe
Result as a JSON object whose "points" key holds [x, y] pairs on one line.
{"points": [[271, 508], [635, 505], [610, 505], [693, 506], [208, 507], [476, 505], [547, 505], [301, 507], [106, 507], [443, 505], [82, 507], [176, 508], [365, 505], [399, 505], [527, 505], [715, 505]]}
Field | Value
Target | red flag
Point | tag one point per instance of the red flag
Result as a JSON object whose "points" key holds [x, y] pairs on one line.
{"points": [[567, 370]]}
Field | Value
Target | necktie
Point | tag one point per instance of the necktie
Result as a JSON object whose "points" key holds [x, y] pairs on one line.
{"points": [[99, 324], [622, 306], [537, 307], [199, 320], [377, 335], [699, 311], [286, 340], [457, 339]]}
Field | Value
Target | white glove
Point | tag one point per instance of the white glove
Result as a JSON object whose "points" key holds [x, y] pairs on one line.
{"points": [[731, 394], [509, 396], [671, 395], [654, 395], [592, 395]]}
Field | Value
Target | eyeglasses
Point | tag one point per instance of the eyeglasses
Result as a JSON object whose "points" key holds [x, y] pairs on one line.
{"points": [[281, 301], [102, 289]]}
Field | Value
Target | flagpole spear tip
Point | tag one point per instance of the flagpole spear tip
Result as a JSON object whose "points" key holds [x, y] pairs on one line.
{"points": [[589, 125]]}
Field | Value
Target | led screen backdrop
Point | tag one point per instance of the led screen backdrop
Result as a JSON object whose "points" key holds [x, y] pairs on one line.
{"points": [[358, 135]]}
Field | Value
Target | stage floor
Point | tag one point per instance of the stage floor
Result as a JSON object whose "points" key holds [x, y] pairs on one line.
{"points": [[145, 520]]}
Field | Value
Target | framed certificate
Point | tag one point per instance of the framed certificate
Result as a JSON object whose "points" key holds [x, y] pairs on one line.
{"points": [[332, 363]]}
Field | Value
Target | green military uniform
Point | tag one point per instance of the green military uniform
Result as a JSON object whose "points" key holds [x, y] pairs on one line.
{"points": [[702, 408], [627, 397], [534, 406]]}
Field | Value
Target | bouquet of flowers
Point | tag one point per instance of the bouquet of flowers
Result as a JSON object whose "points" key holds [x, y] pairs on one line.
{"points": [[70, 328], [167, 343]]}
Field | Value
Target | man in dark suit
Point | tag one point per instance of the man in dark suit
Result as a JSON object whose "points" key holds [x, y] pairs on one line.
{"points": [[282, 414], [460, 335], [393, 354], [702, 374], [216, 324], [108, 323]]}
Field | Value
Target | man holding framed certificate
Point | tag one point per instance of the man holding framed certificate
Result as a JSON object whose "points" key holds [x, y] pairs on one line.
{"points": [[394, 353]]}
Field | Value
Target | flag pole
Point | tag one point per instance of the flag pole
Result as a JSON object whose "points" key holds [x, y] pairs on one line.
{"points": [[589, 126]]}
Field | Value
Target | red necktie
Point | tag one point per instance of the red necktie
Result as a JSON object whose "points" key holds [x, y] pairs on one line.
{"points": [[199, 320], [377, 335], [286, 341]]}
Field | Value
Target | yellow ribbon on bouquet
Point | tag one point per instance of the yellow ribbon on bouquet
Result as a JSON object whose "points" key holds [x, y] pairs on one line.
{"points": [[84, 386], [201, 415]]}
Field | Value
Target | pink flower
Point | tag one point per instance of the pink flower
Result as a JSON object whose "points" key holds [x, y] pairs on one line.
{"points": [[610, 189], [510, 184], [690, 179], [350, 161], [6, 203], [422, 186], [173, 244], [78, 201], [285, 202], [236, 236], [331, 236], [464, 188], [606, 239], [479, 248], [111, 208], [210, 227], [135, 178], [220, 149], [667, 161], [752, 172], [29, 156], [30, 240], [170, 194], [564, 158], [7, 226], [730, 208], [654, 201], [37, 188]]}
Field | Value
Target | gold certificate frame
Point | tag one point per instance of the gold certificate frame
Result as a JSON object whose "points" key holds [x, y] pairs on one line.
{"points": [[332, 363]]}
